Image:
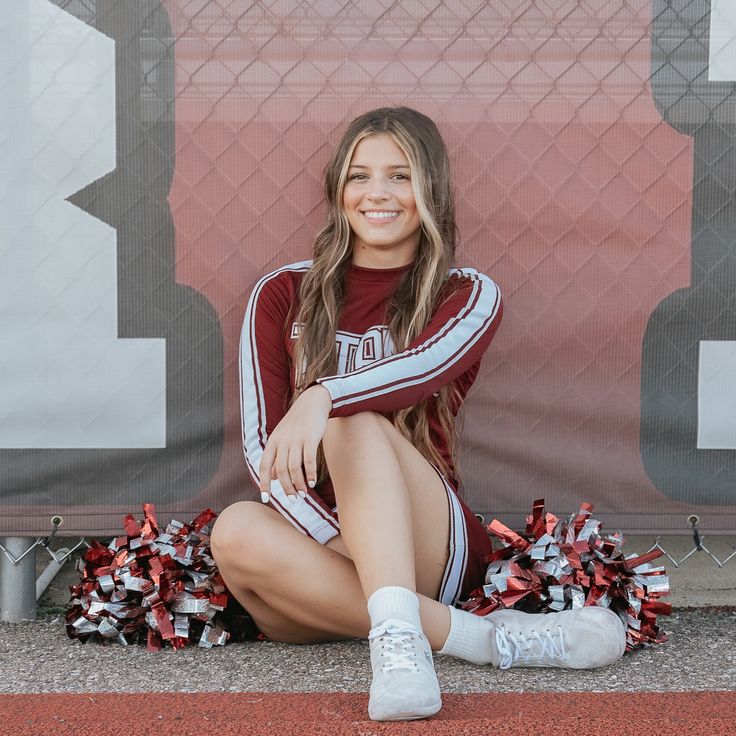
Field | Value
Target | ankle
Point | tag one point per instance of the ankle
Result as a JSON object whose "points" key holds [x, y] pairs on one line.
{"points": [[470, 638], [394, 602]]}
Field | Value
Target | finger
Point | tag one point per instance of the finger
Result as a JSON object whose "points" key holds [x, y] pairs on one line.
{"points": [[310, 464], [282, 471], [266, 496], [295, 471], [265, 472]]}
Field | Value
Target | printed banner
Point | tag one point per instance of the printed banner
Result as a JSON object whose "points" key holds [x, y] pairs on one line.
{"points": [[160, 156]]}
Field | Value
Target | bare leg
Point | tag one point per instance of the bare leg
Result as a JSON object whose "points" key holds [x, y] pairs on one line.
{"points": [[296, 589], [381, 500], [299, 591]]}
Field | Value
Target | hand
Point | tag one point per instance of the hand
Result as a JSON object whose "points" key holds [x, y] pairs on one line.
{"points": [[293, 444]]}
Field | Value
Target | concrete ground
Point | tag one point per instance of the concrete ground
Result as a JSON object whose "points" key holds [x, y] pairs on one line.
{"points": [[38, 656]]}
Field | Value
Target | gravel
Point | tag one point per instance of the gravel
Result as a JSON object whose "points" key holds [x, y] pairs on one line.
{"points": [[37, 657]]}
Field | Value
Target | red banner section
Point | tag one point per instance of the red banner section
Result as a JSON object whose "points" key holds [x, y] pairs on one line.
{"points": [[576, 177]]}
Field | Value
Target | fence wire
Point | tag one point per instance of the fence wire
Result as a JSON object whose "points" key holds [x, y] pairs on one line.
{"points": [[174, 150], [698, 543]]}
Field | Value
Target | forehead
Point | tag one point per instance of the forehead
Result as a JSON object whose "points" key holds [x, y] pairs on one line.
{"points": [[378, 148]]}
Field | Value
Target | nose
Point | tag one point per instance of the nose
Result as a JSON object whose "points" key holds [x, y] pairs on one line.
{"points": [[378, 189]]}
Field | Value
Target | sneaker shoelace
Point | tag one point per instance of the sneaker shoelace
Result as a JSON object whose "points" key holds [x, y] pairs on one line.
{"points": [[513, 648], [398, 649]]}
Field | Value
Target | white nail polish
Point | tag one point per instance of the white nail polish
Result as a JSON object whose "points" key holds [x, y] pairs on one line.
{"points": [[302, 494], [312, 484], [265, 497]]}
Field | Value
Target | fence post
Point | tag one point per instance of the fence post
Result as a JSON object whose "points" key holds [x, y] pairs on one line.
{"points": [[18, 581]]}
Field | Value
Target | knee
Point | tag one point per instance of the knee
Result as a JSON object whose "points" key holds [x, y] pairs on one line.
{"points": [[240, 534], [345, 430]]}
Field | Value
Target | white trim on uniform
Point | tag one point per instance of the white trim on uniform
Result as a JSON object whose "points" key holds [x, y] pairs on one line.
{"points": [[423, 362], [457, 562], [304, 514]]}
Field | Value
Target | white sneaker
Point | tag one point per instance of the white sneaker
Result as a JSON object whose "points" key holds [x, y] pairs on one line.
{"points": [[404, 683], [582, 638]]}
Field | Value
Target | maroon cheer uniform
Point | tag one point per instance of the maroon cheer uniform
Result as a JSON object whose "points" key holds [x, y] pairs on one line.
{"points": [[371, 376]]}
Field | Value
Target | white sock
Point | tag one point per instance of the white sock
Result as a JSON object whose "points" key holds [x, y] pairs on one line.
{"points": [[393, 601], [471, 638]]}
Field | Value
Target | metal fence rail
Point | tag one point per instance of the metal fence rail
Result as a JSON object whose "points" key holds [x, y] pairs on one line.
{"points": [[20, 589]]}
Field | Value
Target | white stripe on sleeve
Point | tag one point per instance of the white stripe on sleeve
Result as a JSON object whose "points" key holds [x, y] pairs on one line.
{"points": [[305, 514], [423, 362]]}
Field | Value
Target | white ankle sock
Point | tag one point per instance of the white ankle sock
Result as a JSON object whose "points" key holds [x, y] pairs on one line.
{"points": [[394, 602], [471, 638]]}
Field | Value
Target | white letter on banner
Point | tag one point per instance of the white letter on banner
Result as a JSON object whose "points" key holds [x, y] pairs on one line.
{"points": [[717, 395], [66, 380], [717, 360], [722, 52]]}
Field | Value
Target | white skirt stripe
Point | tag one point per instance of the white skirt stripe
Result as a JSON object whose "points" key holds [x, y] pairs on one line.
{"points": [[457, 562]]}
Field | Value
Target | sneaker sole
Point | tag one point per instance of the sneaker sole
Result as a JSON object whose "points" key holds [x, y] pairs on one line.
{"points": [[426, 712]]}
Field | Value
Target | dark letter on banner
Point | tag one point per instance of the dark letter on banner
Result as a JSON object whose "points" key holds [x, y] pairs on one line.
{"points": [[688, 423], [165, 448]]}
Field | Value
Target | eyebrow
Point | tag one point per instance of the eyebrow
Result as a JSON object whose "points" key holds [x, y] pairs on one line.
{"points": [[362, 166]]}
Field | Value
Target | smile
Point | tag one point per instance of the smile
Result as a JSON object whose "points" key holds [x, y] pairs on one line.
{"points": [[380, 215]]}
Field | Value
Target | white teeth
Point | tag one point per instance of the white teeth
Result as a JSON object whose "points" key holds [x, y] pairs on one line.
{"points": [[380, 215]]}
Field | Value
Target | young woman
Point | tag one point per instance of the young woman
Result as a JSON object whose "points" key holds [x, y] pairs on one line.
{"points": [[353, 367]]}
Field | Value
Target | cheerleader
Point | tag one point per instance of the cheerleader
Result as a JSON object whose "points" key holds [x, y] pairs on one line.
{"points": [[353, 367]]}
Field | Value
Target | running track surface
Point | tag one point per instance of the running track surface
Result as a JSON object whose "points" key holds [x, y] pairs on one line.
{"points": [[338, 714]]}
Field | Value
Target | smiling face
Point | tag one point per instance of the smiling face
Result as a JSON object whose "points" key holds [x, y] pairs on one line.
{"points": [[379, 203]]}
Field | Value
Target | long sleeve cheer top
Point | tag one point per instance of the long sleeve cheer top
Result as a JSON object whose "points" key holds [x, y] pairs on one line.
{"points": [[371, 375]]}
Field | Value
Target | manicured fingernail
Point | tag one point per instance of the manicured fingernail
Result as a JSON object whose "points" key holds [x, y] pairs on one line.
{"points": [[312, 484], [264, 497], [302, 494]]}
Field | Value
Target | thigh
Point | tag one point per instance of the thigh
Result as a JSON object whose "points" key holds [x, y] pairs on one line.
{"points": [[261, 555], [278, 626], [431, 512]]}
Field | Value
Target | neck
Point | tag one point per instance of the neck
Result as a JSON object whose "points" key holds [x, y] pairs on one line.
{"points": [[372, 257]]}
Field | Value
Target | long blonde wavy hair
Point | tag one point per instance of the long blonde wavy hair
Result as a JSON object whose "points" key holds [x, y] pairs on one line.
{"points": [[417, 293]]}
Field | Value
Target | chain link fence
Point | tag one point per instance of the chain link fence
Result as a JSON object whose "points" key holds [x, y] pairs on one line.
{"points": [[19, 603], [62, 555], [19, 563], [162, 155]]}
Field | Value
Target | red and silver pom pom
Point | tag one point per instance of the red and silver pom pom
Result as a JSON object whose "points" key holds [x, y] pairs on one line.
{"points": [[154, 586], [560, 564]]}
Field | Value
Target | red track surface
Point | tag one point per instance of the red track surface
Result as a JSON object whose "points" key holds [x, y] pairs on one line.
{"points": [[312, 714]]}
